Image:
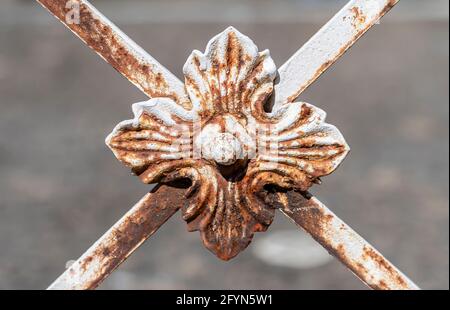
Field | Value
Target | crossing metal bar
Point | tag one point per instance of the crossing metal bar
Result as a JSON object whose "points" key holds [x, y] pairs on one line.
{"points": [[344, 243], [116, 48], [324, 48], [303, 68], [122, 239]]}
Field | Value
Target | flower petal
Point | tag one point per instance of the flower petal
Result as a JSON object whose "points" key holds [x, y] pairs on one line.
{"points": [[231, 76], [160, 131], [300, 146], [217, 209]]}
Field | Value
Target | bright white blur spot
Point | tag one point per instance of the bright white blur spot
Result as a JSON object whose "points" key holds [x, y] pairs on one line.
{"points": [[290, 248]]}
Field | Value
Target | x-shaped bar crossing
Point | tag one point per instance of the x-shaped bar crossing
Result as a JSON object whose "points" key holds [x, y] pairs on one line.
{"points": [[300, 71]]}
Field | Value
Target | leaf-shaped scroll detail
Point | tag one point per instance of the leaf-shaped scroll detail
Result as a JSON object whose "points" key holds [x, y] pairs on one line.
{"points": [[218, 210], [231, 76], [300, 147], [160, 131]]}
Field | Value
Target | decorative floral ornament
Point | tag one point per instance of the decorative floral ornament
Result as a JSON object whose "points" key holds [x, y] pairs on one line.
{"points": [[228, 143]]}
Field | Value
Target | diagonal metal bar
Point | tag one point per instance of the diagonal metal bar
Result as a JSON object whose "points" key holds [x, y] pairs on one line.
{"points": [[327, 46], [116, 48], [121, 240], [344, 243], [155, 208]]}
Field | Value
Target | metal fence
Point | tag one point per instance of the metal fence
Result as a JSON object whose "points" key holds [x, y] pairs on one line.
{"points": [[257, 191]]}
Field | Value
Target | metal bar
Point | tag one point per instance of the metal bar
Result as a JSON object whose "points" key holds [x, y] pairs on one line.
{"points": [[327, 46], [155, 208], [116, 48], [344, 243], [122, 239]]}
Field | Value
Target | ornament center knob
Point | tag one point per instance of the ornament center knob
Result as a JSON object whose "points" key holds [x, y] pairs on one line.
{"points": [[224, 149]]}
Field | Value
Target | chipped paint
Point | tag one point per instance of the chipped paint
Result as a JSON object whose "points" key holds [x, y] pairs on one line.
{"points": [[116, 48], [326, 46], [140, 222], [344, 243], [358, 18]]}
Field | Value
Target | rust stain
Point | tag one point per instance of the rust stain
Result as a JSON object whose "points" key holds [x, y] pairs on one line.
{"points": [[370, 254], [164, 202], [361, 269], [101, 38], [309, 215], [358, 18], [360, 32], [86, 262], [382, 285]]}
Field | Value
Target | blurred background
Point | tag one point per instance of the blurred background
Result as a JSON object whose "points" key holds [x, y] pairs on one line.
{"points": [[61, 188]]}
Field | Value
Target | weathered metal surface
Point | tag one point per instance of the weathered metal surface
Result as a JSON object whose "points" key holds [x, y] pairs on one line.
{"points": [[343, 242], [116, 48], [241, 161], [227, 144], [327, 46], [120, 241]]}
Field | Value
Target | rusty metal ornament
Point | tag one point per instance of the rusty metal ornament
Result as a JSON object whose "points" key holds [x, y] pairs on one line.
{"points": [[224, 155], [228, 143]]}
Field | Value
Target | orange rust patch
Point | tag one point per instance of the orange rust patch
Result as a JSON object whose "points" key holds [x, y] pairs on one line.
{"points": [[382, 285], [370, 254], [101, 38], [358, 17], [361, 268], [306, 214], [154, 212], [86, 262]]}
